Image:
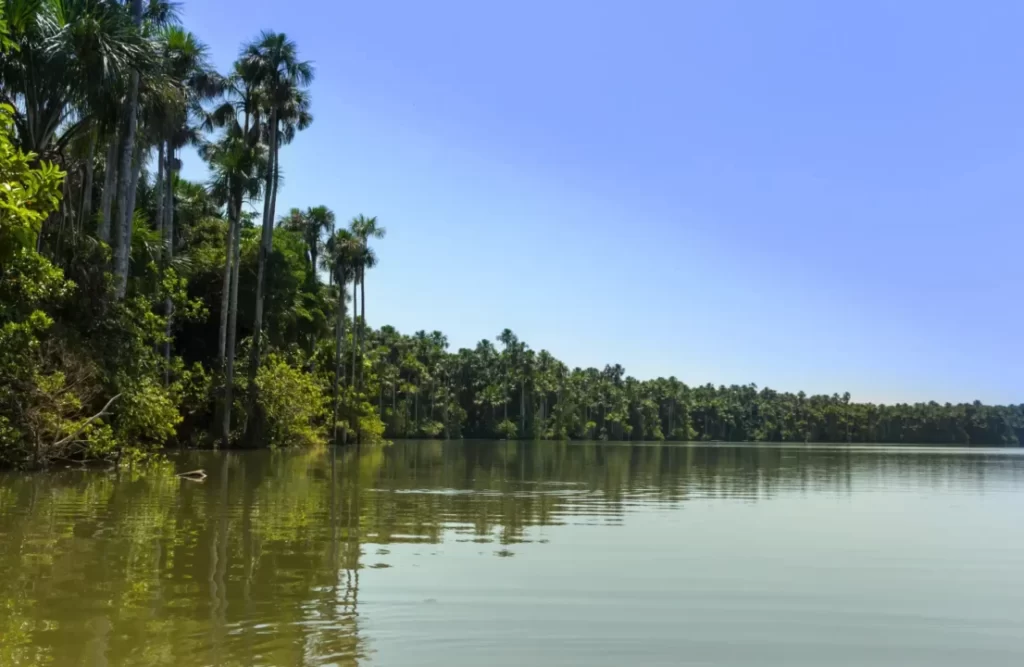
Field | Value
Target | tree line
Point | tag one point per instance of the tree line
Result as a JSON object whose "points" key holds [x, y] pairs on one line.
{"points": [[505, 389], [138, 309]]}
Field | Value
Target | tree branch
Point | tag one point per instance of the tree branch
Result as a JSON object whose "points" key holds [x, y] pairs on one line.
{"points": [[64, 441]]}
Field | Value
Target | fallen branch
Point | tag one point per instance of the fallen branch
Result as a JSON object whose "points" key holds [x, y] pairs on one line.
{"points": [[101, 413], [194, 475]]}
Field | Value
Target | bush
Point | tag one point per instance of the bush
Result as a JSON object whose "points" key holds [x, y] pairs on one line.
{"points": [[291, 402]]}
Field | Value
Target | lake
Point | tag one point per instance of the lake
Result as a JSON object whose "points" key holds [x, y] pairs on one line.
{"points": [[510, 554]]}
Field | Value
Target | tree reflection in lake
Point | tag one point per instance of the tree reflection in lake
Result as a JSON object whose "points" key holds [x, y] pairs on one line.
{"points": [[261, 563]]}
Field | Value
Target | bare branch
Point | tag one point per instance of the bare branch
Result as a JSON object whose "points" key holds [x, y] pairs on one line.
{"points": [[101, 413]]}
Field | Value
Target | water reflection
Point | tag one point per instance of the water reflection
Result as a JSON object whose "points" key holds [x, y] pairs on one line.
{"points": [[261, 563]]}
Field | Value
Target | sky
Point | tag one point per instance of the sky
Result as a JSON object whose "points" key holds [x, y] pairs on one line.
{"points": [[805, 195]]}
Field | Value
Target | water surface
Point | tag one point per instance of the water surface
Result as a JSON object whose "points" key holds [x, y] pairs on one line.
{"points": [[497, 553]]}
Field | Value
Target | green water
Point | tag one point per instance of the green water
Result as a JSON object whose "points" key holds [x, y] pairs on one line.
{"points": [[492, 553]]}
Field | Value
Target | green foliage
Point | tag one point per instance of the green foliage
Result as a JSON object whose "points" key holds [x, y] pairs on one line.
{"points": [[292, 403], [506, 429], [28, 194], [147, 413]]}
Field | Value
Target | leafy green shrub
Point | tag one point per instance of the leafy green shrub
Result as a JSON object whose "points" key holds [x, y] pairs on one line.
{"points": [[292, 403], [506, 429]]}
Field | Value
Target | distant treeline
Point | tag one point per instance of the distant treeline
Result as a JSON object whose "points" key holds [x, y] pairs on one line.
{"points": [[512, 391]]}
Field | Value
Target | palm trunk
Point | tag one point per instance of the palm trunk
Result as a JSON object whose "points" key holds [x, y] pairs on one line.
{"points": [[107, 196], [124, 214], [277, 172], [355, 332], [133, 186], [339, 371], [522, 408], [225, 297], [90, 167], [261, 271], [362, 316], [355, 327], [234, 233], [159, 187], [126, 188], [169, 249]]}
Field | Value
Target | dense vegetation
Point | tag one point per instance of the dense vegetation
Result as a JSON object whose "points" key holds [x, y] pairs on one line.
{"points": [[138, 309]]}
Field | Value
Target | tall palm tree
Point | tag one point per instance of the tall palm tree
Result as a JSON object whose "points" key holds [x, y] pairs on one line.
{"points": [[274, 68], [237, 167], [174, 116], [364, 229], [341, 251]]}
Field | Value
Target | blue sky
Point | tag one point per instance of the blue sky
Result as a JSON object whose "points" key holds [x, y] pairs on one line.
{"points": [[805, 195]]}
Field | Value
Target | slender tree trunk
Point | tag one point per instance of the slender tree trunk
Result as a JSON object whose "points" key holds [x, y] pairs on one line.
{"points": [[261, 272], [362, 316], [133, 186], [355, 326], [339, 371], [126, 187], [123, 250], [355, 332], [168, 239], [522, 408], [158, 187], [225, 298], [109, 185], [232, 328], [90, 167], [277, 171]]}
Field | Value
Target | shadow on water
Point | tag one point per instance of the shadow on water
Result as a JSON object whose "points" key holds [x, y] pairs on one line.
{"points": [[261, 562]]}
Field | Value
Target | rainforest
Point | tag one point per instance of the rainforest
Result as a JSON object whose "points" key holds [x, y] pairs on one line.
{"points": [[141, 311]]}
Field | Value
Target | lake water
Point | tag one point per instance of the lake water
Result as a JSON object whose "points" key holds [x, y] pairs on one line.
{"points": [[510, 554]]}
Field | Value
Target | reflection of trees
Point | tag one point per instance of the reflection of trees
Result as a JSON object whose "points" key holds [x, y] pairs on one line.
{"points": [[257, 564], [261, 562], [498, 490]]}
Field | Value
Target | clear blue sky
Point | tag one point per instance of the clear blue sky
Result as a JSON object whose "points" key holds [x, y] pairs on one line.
{"points": [[807, 195]]}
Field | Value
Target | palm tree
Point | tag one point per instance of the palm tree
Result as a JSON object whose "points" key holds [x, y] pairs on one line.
{"points": [[237, 167], [68, 56], [274, 69], [341, 251], [312, 224], [173, 108], [293, 116], [363, 229], [65, 76]]}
